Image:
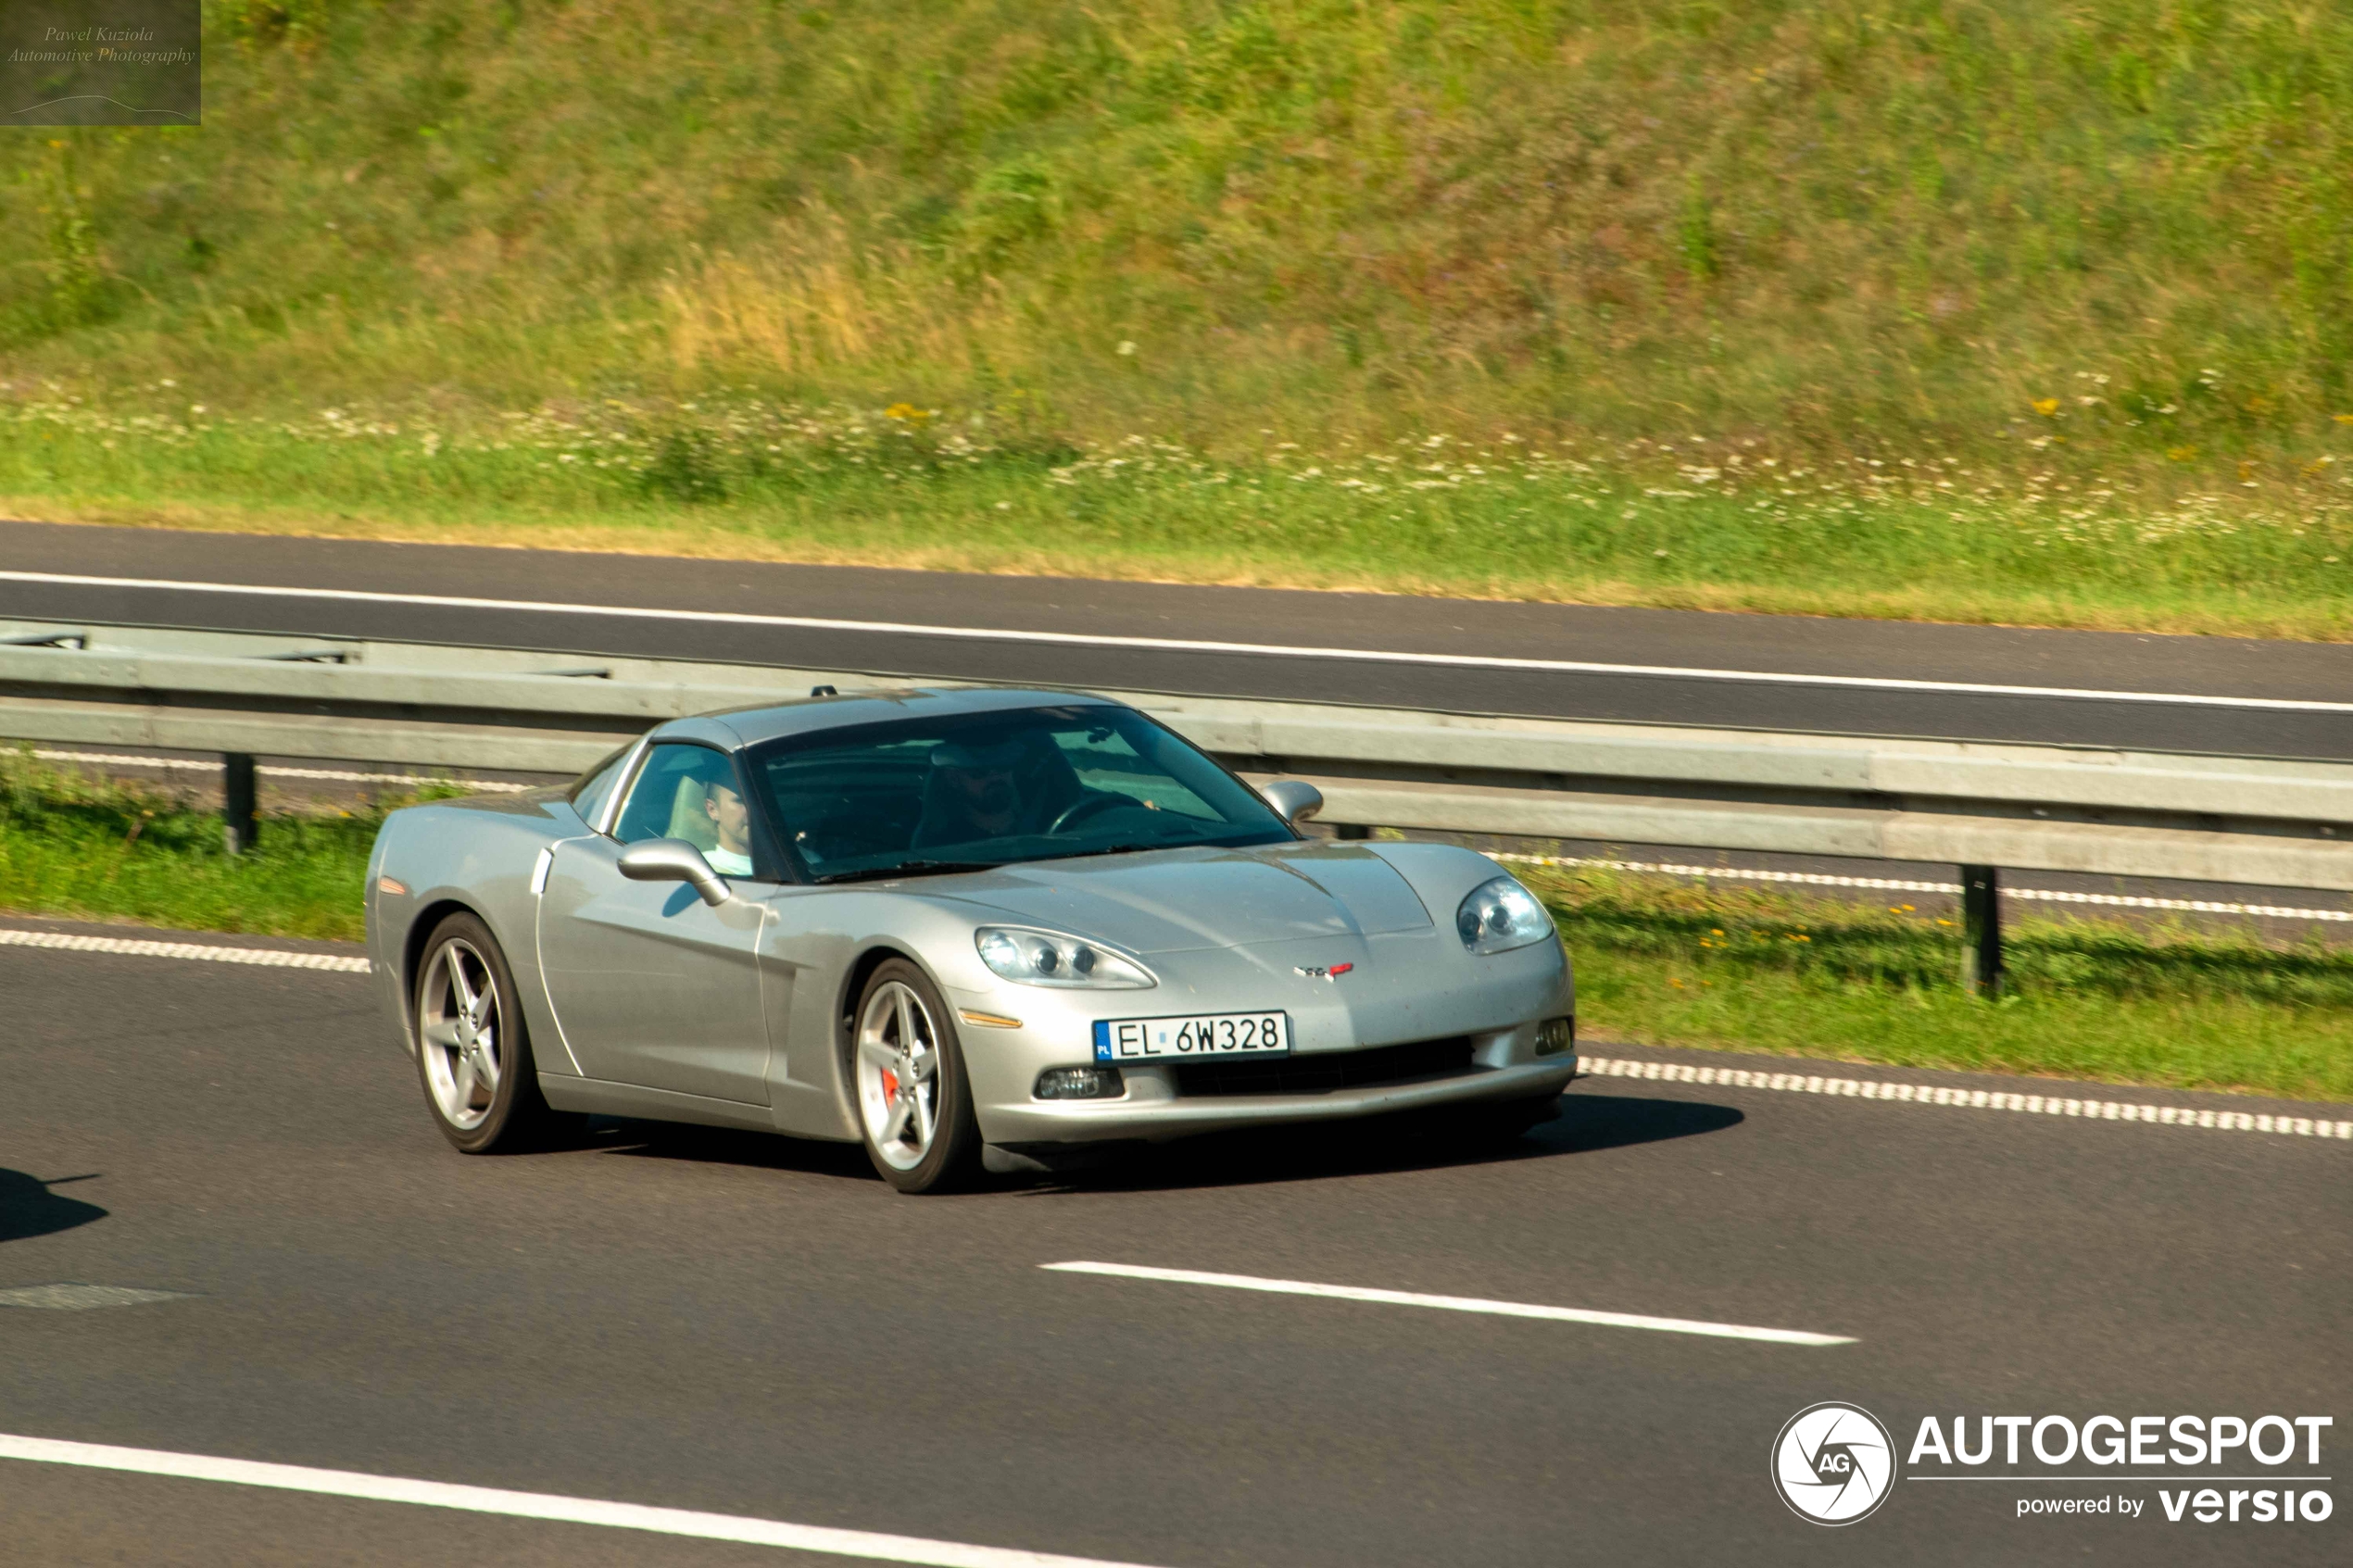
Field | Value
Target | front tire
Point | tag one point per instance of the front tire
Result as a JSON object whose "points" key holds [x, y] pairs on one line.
{"points": [[915, 1101], [473, 1052]]}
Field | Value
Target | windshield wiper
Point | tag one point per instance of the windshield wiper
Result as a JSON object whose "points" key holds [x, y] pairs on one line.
{"points": [[904, 868], [1128, 850]]}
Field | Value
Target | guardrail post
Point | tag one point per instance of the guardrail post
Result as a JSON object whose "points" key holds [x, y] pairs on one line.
{"points": [[238, 826], [1981, 930]]}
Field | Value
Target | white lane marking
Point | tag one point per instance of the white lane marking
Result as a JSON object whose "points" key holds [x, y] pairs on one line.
{"points": [[868, 1544], [2039, 894], [1181, 644], [75, 1298], [206, 765], [139, 947], [1969, 1099], [1455, 1303]]}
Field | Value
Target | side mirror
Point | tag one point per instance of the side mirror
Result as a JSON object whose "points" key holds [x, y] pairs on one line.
{"points": [[674, 860], [1294, 800]]}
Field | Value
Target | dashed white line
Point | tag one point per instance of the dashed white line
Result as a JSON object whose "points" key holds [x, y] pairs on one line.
{"points": [[1454, 1303], [1891, 885], [69, 1296], [867, 1543], [1969, 1099], [267, 958], [1176, 644]]}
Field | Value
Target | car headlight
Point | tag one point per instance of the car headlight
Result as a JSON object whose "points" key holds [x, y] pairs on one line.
{"points": [[1500, 915], [1047, 958]]}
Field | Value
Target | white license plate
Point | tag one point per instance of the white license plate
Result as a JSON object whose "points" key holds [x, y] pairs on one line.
{"points": [[1192, 1035]]}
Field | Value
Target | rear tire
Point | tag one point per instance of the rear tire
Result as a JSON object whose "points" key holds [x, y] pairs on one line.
{"points": [[474, 1049], [907, 1069]]}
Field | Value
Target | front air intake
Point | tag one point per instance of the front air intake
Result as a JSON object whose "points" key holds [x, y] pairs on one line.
{"points": [[1324, 1071]]}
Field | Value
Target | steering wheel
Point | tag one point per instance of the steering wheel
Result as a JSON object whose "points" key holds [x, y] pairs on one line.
{"points": [[1086, 805]]}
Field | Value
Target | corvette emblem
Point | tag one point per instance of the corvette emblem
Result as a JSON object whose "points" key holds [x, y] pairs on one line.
{"points": [[1323, 972]]}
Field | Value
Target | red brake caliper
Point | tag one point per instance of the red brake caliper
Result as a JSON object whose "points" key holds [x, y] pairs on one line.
{"points": [[891, 1085]]}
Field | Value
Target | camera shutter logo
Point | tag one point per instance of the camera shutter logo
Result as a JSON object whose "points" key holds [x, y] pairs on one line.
{"points": [[1834, 1463]]}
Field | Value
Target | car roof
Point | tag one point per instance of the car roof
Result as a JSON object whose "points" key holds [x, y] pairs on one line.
{"points": [[754, 724]]}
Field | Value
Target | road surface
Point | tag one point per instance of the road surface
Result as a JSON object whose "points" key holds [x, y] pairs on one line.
{"points": [[760, 1328]]}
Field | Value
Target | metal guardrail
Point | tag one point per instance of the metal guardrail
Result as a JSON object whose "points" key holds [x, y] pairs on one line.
{"points": [[2276, 822]]}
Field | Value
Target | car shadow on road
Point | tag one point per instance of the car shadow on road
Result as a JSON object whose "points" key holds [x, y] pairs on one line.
{"points": [[1586, 1125], [29, 1209], [726, 1146]]}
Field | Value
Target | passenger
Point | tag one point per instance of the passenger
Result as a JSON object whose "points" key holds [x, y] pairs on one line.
{"points": [[732, 823]]}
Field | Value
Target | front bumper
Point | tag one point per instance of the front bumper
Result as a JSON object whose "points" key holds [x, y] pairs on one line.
{"points": [[1409, 987], [1152, 1112]]}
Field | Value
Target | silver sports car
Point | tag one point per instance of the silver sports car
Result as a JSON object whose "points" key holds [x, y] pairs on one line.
{"points": [[973, 929]]}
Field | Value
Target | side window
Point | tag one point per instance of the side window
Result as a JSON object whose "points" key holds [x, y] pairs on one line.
{"points": [[588, 796], [690, 792]]}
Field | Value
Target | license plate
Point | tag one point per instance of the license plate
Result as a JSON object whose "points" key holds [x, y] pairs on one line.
{"points": [[1192, 1035]]}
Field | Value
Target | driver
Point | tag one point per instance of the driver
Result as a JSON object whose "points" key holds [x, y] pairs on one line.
{"points": [[975, 792], [729, 819]]}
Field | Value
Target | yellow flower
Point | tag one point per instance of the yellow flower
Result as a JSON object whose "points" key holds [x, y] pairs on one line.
{"points": [[2181, 454], [2047, 406], [907, 413], [2343, 418]]}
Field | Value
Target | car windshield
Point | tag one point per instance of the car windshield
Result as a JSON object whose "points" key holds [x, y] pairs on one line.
{"points": [[989, 789]]}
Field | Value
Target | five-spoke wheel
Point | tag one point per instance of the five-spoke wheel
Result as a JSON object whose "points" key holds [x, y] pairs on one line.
{"points": [[913, 1105], [457, 1020], [472, 1049]]}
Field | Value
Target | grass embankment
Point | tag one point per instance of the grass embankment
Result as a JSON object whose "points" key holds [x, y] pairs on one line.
{"points": [[1991, 311], [1743, 970], [88, 848], [1656, 964]]}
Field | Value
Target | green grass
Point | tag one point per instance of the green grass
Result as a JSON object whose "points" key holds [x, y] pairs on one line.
{"points": [[1740, 969], [2091, 266], [1657, 964], [85, 849], [1633, 521]]}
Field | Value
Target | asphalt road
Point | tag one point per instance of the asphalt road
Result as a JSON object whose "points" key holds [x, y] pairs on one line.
{"points": [[760, 1327], [1759, 645]]}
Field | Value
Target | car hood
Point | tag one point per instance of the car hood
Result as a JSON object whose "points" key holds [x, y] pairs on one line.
{"points": [[1178, 900]]}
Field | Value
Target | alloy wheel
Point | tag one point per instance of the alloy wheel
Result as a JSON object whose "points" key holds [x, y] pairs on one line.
{"points": [[899, 1074], [459, 1026]]}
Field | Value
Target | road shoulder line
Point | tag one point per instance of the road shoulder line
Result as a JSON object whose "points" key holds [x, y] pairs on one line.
{"points": [[267, 958], [1179, 644], [1968, 1099]]}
